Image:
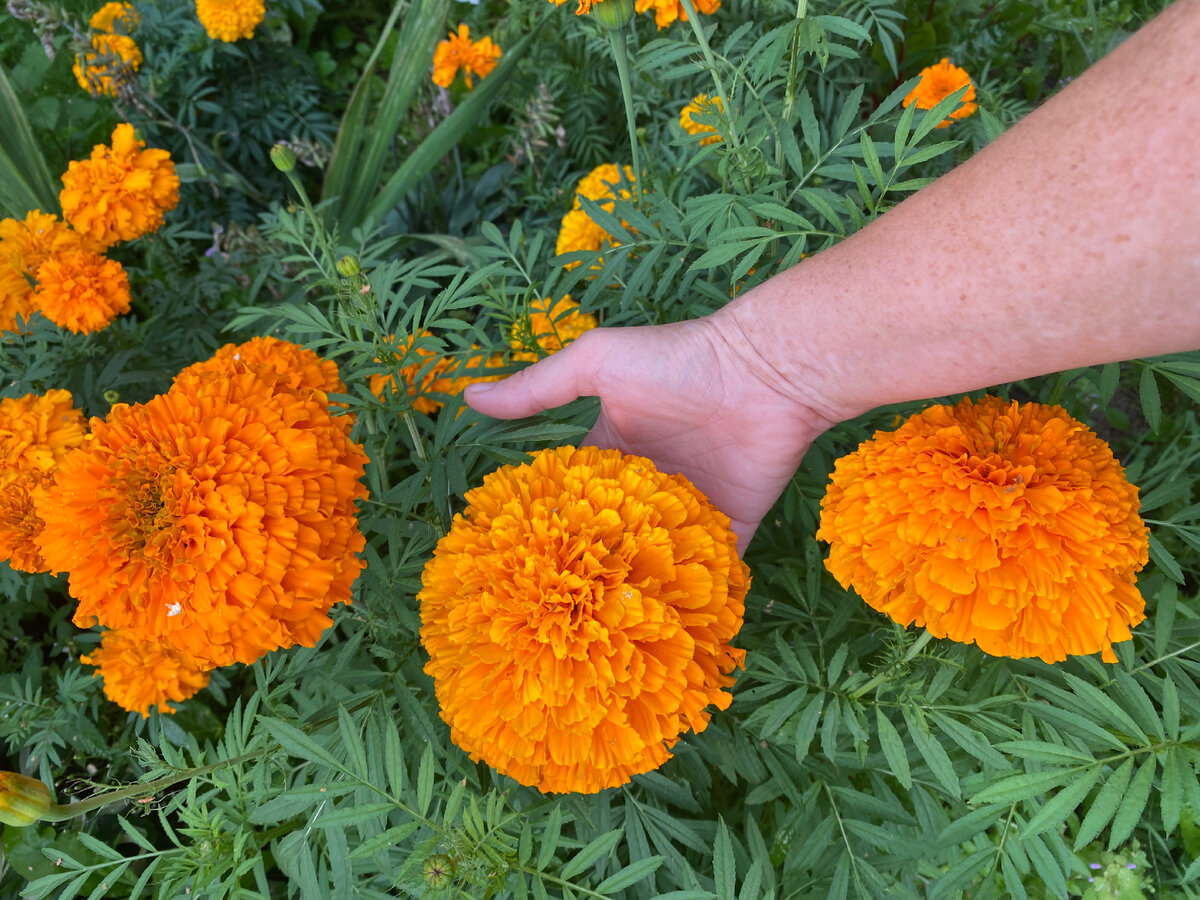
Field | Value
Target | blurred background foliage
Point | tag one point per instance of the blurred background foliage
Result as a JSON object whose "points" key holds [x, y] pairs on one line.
{"points": [[857, 759]]}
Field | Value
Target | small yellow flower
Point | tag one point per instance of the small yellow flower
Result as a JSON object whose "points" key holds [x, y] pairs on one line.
{"points": [[937, 83], [458, 51], [230, 20], [701, 104], [112, 60]]}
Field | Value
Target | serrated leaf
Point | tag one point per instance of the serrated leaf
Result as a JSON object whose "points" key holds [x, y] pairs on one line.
{"points": [[425, 781], [1130, 812], [1151, 401], [1105, 806], [1056, 810], [296, 743], [806, 726], [1170, 795], [932, 752], [1024, 786], [724, 866], [1046, 865], [383, 840], [630, 875], [1165, 561], [550, 835], [590, 853], [893, 748]]}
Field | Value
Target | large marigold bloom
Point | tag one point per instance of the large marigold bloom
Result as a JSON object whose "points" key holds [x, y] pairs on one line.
{"points": [[458, 51], [667, 11], [139, 673], [24, 246], [700, 105], [119, 18], [549, 327], [36, 432], [218, 518], [81, 290], [939, 82], [1005, 525], [295, 368], [111, 60], [578, 618], [230, 20], [121, 192]]}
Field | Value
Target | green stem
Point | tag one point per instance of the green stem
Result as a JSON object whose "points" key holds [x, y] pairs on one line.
{"points": [[917, 646], [616, 37], [60, 812], [328, 256], [698, 30]]}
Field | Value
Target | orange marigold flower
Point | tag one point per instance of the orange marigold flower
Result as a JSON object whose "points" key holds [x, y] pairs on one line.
{"points": [[939, 82], [1010, 526], [701, 104], [458, 51], [578, 618], [112, 60], [26, 244], [230, 20], [139, 672], [577, 231], [422, 379], [667, 11], [295, 368], [36, 432], [121, 192], [81, 290], [601, 185], [584, 7], [120, 18], [218, 518], [16, 297], [548, 327]]}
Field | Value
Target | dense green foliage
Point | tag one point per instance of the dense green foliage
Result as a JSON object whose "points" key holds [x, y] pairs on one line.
{"points": [[857, 759]]}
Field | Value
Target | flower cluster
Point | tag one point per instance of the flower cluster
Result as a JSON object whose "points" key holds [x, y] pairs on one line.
{"points": [[668, 11], [59, 268], [701, 105], [937, 83], [230, 20], [36, 432], [548, 328], [1005, 525], [578, 618], [120, 192], [458, 51], [113, 56], [210, 525], [665, 11], [577, 230], [431, 374]]}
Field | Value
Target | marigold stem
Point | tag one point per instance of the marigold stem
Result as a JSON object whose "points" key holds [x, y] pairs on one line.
{"points": [[616, 38]]}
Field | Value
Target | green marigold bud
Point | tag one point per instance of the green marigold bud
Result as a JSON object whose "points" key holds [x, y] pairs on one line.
{"points": [[111, 396], [283, 158], [438, 870], [23, 800], [613, 13], [349, 266]]}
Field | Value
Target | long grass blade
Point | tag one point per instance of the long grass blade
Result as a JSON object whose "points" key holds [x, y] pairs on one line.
{"points": [[25, 180]]}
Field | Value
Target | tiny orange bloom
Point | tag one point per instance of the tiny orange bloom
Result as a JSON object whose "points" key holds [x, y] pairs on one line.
{"points": [[939, 82], [140, 672], [458, 51]]}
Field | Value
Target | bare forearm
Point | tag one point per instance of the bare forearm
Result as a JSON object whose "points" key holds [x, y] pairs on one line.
{"points": [[1073, 240]]}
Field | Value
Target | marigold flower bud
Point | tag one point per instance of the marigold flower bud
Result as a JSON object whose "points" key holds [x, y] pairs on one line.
{"points": [[23, 800], [438, 870], [348, 266], [284, 158], [614, 13]]}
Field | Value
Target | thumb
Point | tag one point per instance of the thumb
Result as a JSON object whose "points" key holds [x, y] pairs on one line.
{"points": [[553, 381]]}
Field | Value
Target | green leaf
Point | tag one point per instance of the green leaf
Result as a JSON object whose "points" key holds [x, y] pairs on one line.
{"points": [[893, 748], [597, 848], [932, 752], [1110, 377], [1165, 561], [550, 837], [467, 115], [1136, 797], [724, 866], [808, 124], [1056, 810], [1170, 708], [1170, 794], [871, 158], [1105, 806], [630, 875], [296, 743], [425, 781], [25, 180], [1151, 402], [1046, 865], [1024, 786], [806, 726]]}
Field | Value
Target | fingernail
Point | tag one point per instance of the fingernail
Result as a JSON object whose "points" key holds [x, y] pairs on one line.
{"points": [[475, 390]]}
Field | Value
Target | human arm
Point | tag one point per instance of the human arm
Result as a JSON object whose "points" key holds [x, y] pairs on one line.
{"points": [[1074, 239]]}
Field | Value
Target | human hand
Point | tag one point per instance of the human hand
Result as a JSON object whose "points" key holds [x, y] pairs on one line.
{"points": [[689, 396]]}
